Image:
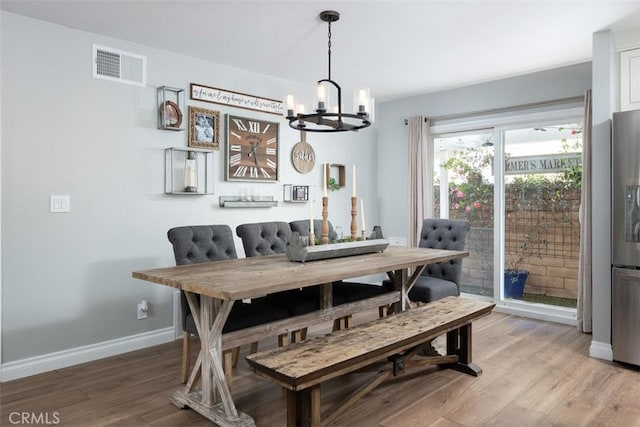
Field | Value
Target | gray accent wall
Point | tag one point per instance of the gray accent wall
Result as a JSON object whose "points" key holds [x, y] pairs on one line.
{"points": [[66, 277]]}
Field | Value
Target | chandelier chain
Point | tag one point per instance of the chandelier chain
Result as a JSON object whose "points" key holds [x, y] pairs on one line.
{"points": [[329, 45]]}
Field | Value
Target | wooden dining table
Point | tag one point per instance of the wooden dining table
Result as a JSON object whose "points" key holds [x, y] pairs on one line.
{"points": [[219, 284]]}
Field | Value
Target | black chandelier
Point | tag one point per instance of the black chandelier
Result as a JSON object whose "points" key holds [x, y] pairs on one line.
{"points": [[323, 120]]}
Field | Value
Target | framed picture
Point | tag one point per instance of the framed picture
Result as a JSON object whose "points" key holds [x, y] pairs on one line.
{"points": [[252, 150], [204, 128], [300, 193]]}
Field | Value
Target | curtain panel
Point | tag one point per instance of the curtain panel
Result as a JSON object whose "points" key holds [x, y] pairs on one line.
{"points": [[420, 194], [584, 310]]}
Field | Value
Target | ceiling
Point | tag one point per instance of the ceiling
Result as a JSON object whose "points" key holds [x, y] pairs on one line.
{"points": [[397, 48]]}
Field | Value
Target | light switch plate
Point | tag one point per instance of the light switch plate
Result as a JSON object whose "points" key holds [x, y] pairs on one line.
{"points": [[60, 203]]}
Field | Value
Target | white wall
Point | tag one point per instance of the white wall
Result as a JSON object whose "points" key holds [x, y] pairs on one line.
{"points": [[66, 278], [392, 133], [604, 101]]}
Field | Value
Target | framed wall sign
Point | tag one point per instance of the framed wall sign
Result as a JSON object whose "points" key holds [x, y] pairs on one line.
{"points": [[252, 150], [236, 99], [204, 128]]}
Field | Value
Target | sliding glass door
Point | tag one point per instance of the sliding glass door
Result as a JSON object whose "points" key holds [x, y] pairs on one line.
{"points": [[464, 189], [542, 182], [531, 177]]}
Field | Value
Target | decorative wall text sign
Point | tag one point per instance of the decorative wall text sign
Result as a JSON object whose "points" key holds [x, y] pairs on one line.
{"points": [[236, 99], [302, 155]]}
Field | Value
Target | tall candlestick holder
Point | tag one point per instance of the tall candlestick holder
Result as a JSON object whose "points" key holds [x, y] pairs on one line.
{"points": [[364, 235], [325, 220], [312, 239], [354, 222]]}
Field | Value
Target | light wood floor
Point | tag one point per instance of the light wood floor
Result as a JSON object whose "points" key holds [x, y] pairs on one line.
{"points": [[535, 374]]}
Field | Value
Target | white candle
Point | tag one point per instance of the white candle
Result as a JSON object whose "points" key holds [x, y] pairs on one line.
{"points": [[324, 180], [364, 227], [362, 101], [311, 230], [354, 182]]}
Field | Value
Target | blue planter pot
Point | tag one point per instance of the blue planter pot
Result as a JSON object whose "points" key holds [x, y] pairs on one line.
{"points": [[514, 281]]}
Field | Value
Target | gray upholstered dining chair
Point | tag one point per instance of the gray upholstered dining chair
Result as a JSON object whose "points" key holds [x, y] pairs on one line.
{"points": [[442, 279], [210, 243], [269, 238], [301, 226], [343, 291]]}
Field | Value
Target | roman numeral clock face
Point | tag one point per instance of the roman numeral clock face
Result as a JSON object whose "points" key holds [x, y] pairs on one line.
{"points": [[252, 150]]}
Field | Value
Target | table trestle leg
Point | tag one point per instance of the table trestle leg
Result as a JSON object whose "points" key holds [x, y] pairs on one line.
{"points": [[214, 400]]}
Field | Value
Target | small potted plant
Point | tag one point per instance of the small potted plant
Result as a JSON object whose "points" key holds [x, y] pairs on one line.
{"points": [[515, 277]]}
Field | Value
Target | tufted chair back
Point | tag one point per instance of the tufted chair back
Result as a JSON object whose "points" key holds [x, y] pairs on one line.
{"points": [[264, 238], [200, 243], [444, 234], [302, 227]]}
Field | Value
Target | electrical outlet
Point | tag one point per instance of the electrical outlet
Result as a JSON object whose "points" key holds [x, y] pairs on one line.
{"points": [[143, 309]]}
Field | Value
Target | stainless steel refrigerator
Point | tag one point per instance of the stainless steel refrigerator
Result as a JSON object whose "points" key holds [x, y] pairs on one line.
{"points": [[625, 239]]}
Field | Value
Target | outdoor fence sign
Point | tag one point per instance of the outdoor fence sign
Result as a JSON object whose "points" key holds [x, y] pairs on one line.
{"points": [[548, 163]]}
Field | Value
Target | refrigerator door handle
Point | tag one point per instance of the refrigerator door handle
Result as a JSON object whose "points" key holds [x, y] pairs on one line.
{"points": [[625, 273]]}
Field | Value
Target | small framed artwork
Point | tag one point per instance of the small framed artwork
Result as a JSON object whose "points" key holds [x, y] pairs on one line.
{"points": [[204, 128], [300, 193]]}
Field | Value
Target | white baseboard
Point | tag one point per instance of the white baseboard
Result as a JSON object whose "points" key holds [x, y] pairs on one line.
{"points": [[65, 358], [601, 350]]}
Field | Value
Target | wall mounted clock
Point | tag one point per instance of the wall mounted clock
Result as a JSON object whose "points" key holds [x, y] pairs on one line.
{"points": [[302, 155], [252, 150]]}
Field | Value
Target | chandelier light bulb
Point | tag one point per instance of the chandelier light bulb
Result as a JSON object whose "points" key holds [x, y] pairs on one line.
{"points": [[291, 105]]}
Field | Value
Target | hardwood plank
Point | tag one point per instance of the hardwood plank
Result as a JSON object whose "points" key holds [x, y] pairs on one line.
{"points": [[614, 416], [514, 415], [598, 385], [573, 412]]}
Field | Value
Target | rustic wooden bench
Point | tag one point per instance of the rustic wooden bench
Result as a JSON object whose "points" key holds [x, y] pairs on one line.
{"points": [[387, 346]]}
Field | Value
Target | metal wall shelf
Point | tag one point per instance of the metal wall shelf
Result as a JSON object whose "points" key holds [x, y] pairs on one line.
{"points": [[174, 173], [253, 202], [171, 108]]}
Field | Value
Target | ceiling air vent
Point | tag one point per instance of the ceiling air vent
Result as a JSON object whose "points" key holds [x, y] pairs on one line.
{"points": [[119, 66]]}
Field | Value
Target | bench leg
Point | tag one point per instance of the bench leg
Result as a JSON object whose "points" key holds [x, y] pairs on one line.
{"points": [[459, 343], [303, 407]]}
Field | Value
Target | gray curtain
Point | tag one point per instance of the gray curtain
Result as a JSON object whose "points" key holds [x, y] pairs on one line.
{"points": [[584, 267], [420, 193]]}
